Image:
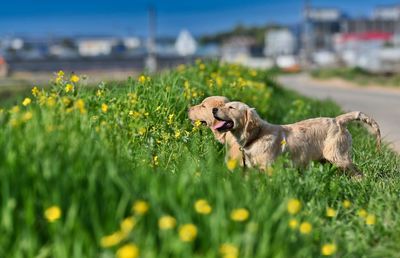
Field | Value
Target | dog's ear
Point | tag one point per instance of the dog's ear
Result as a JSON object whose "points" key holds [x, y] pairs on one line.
{"points": [[252, 119]]}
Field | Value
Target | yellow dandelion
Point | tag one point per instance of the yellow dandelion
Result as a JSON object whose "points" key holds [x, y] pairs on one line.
{"points": [[50, 101], [60, 73], [27, 116], [330, 212], [240, 214], [197, 123], [111, 240], [293, 223], [140, 207], [328, 249], [228, 250], [128, 251], [283, 142], [370, 219], [293, 206], [187, 232], [142, 79], [142, 131], [362, 213], [26, 102], [14, 110], [232, 164], [35, 91], [201, 206], [127, 225], [155, 160], [305, 228], [166, 222], [346, 204], [69, 87], [74, 78], [104, 108], [52, 213], [80, 105]]}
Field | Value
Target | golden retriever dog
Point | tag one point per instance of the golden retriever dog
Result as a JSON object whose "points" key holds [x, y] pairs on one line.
{"points": [[315, 139], [203, 113]]}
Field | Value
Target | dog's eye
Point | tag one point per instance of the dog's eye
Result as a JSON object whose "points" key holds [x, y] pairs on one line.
{"points": [[203, 106], [231, 108]]}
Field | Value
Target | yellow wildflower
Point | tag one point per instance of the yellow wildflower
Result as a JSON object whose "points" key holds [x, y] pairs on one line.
{"points": [[66, 101], [170, 119], [305, 228], [51, 101], [283, 142], [330, 212], [128, 251], [231, 164], [127, 225], [177, 134], [155, 160], [197, 123], [26, 102], [370, 219], [202, 66], [166, 222], [35, 91], [142, 131], [111, 240], [293, 223], [229, 251], [328, 249], [240, 214], [14, 110], [201, 206], [293, 206], [60, 73], [187, 232], [52, 213], [142, 79], [80, 105], [346, 204], [362, 213], [69, 87], [27, 116], [74, 78], [140, 207], [104, 108]]}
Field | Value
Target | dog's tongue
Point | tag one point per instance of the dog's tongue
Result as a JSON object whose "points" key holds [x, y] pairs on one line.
{"points": [[218, 125]]}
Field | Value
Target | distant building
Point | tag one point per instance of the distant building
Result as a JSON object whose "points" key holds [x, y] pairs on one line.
{"points": [[92, 47], [279, 42], [323, 23], [185, 44], [237, 49], [387, 12]]}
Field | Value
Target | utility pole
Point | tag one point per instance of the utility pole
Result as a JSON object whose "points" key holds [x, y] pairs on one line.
{"points": [[151, 61], [306, 35]]}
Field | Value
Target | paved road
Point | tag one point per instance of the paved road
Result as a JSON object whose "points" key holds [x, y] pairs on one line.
{"points": [[382, 104]]}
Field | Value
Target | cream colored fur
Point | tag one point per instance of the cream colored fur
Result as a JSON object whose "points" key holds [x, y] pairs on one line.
{"points": [[313, 139], [203, 112]]}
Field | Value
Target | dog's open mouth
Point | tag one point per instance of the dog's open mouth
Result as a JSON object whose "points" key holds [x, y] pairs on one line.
{"points": [[223, 125]]}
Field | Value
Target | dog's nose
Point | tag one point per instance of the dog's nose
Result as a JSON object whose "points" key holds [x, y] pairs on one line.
{"points": [[214, 110]]}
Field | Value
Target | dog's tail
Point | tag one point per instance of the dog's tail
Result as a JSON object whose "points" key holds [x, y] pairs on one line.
{"points": [[342, 121]]}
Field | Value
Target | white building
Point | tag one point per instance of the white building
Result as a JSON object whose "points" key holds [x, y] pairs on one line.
{"points": [[387, 13], [279, 42], [185, 44], [96, 46]]}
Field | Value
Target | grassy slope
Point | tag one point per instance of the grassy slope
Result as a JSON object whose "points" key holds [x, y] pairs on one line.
{"points": [[358, 76], [95, 164]]}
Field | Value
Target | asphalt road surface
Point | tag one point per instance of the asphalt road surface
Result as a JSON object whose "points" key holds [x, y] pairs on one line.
{"points": [[380, 103]]}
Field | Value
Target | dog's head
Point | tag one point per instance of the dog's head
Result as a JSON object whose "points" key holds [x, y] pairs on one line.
{"points": [[203, 111], [236, 117]]}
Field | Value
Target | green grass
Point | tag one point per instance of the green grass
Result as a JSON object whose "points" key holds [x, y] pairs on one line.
{"points": [[358, 76], [63, 150]]}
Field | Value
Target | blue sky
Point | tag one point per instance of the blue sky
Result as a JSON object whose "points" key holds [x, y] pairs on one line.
{"points": [[124, 17]]}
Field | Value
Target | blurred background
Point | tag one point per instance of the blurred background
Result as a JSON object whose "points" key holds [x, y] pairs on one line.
{"points": [[41, 36]]}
